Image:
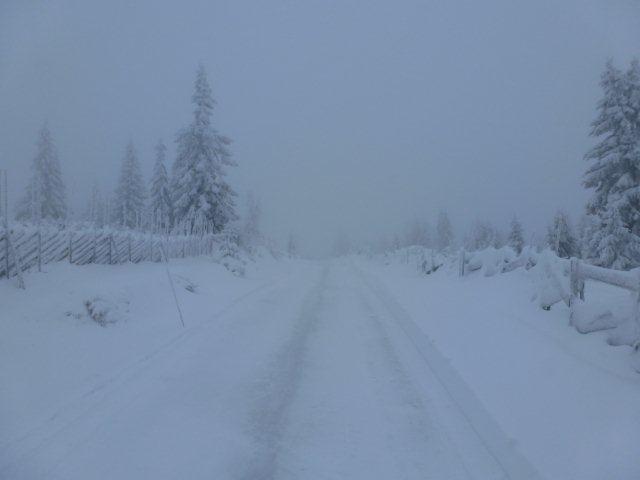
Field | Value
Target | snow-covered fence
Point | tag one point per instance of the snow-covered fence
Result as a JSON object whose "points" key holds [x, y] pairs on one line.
{"points": [[28, 247], [580, 271], [551, 273]]}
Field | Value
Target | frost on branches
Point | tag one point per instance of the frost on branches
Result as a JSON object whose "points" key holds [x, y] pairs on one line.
{"points": [[516, 236], [560, 237], [161, 208], [130, 194], [45, 197], [614, 171], [202, 199]]}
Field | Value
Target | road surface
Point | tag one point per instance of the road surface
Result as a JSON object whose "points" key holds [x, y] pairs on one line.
{"points": [[321, 375]]}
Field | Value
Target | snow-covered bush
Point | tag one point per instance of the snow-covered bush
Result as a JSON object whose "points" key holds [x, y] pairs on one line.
{"points": [[104, 310]]}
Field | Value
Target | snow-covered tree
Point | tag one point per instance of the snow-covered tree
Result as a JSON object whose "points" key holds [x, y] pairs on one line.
{"points": [[96, 209], [444, 232], [560, 237], [130, 194], [614, 170], [613, 245], [292, 246], [250, 234], [160, 206], [202, 198], [45, 197], [483, 235], [586, 228], [516, 235]]}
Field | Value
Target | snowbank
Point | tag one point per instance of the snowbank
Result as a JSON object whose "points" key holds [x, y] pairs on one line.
{"points": [[571, 402], [75, 327]]}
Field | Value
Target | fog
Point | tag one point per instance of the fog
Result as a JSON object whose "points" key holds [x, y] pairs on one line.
{"points": [[348, 118]]}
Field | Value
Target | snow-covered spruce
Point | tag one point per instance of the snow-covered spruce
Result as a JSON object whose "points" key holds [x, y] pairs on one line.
{"points": [[130, 193], [202, 198], [560, 237], [45, 197], [160, 205], [444, 232], [516, 236], [614, 171]]}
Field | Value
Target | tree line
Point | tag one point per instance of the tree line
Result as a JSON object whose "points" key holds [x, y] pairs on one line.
{"points": [[608, 233], [194, 198]]}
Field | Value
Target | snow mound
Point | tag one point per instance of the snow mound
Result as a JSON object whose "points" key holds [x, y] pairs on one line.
{"points": [[490, 261], [106, 310], [185, 283], [627, 333]]}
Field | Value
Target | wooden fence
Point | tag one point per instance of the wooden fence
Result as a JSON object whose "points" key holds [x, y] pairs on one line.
{"points": [[26, 248], [577, 271]]}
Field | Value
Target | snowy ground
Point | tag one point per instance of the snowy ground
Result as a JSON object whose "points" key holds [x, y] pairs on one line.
{"points": [[570, 402], [318, 370]]}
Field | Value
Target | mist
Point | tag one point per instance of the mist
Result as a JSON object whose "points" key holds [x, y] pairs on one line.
{"points": [[346, 119]]}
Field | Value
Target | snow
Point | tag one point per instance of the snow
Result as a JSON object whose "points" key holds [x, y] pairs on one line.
{"points": [[351, 368], [569, 401]]}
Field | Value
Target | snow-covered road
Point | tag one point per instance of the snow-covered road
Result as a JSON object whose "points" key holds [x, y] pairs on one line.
{"points": [[321, 375]]}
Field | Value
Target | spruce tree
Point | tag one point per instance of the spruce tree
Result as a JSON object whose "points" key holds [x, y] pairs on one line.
{"points": [[95, 212], [202, 199], [560, 237], [250, 234], [614, 171], [516, 236], [292, 246], [130, 193], [45, 197], [444, 232], [615, 246], [483, 235], [160, 196]]}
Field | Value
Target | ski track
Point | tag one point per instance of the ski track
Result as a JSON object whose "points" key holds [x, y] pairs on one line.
{"points": [[323, 376]]}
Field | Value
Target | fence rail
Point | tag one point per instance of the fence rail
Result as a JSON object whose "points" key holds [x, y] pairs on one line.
{"points": [[577, 271], [25, 248]]}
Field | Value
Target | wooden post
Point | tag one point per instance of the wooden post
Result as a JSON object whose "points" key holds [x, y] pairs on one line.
{"points": [[116, 253], [6, 251], [462, 258], [39, 250], [110, 254], [93, 254], [129, 245], [18, 263], [576, 285], [70, 247], [636, 313]]}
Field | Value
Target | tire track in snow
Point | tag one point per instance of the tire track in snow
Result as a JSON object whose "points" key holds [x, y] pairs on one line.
{"points": [[277, 390], [488, 432], [422, 437], [18, 451]]}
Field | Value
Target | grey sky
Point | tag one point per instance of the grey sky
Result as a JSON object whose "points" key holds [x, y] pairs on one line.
{"points": [[347, 116]]}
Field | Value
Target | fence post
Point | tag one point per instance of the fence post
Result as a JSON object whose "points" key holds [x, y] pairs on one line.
{"points": [[70, 247], [576, 284], [110, 254], [6, 251], [636, 313], [462, 258], [129, 242], [39, 250], [17, 262], [93, 254]]}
